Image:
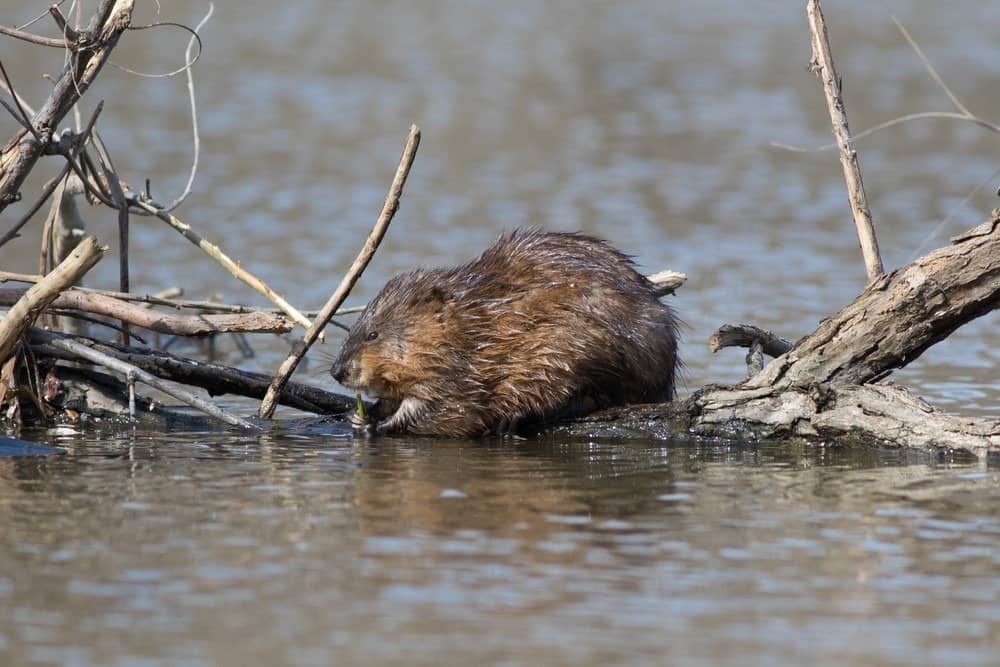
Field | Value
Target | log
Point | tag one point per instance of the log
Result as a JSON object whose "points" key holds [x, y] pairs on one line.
{"points": [[155, 320]]}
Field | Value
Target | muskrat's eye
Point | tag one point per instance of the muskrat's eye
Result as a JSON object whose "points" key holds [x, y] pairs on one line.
{"points": [[372, 336]]}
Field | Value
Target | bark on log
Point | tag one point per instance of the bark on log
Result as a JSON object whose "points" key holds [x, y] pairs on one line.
{"points": [[155, 320]]}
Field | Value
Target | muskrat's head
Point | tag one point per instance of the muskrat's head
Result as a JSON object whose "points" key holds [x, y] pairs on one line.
{"points": [[385, 354]]}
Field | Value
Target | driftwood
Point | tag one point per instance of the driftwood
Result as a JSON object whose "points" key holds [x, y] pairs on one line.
{"points": [[159, 321]]}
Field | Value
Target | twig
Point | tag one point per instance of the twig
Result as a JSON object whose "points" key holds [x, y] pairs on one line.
{"points": [[130, 371], [194, 110], [219, 256], [23, 313], [35, 39], [69, 34], [118, 197], [24, 118], [371, 244], [822, 64]]}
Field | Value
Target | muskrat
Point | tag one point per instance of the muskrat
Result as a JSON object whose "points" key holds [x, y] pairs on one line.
{"points": [[541, 326]]}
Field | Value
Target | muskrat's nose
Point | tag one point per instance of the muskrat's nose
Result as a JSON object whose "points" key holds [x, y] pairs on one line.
{"points": [[339, 371]]}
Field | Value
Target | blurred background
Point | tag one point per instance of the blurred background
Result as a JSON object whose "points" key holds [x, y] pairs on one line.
{"points": [[649, 123]]}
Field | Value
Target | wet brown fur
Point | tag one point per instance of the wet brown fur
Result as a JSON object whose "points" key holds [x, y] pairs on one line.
{"points": [[540, 326]]}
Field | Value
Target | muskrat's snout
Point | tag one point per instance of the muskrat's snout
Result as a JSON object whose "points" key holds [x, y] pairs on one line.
{"points": [[339, 371], [343, 367]]}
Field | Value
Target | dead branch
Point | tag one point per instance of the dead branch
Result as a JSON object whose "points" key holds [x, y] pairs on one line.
{"points": [[103, 31], [357, 268], [154, 320], [744, 335], [822, 64], [37, 298]]}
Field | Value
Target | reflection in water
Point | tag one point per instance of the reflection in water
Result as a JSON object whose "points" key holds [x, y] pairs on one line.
{"points": [[197, 548]]}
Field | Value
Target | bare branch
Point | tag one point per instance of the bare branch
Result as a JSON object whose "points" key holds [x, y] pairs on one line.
{"points": [[824, 67], [357, 268]]}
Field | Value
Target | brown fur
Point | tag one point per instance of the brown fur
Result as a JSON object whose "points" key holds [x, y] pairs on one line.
{"points": [[540, 326]]}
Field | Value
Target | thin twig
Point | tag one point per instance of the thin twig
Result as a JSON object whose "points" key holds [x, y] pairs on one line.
{"points": [[216, 253], [188, 62], [118, 197], [357, 268], [35, 39], [194, 111], [24, 116], [822, 62]]}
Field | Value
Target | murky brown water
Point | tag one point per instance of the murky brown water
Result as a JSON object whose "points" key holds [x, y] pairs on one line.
{"points": [[645, 122]]}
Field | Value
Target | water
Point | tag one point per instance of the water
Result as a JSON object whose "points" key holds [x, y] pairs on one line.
{"points": [[198, 548], [649, 123]]}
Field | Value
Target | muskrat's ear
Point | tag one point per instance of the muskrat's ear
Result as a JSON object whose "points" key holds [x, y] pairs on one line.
{"points": [[436, 298]]}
